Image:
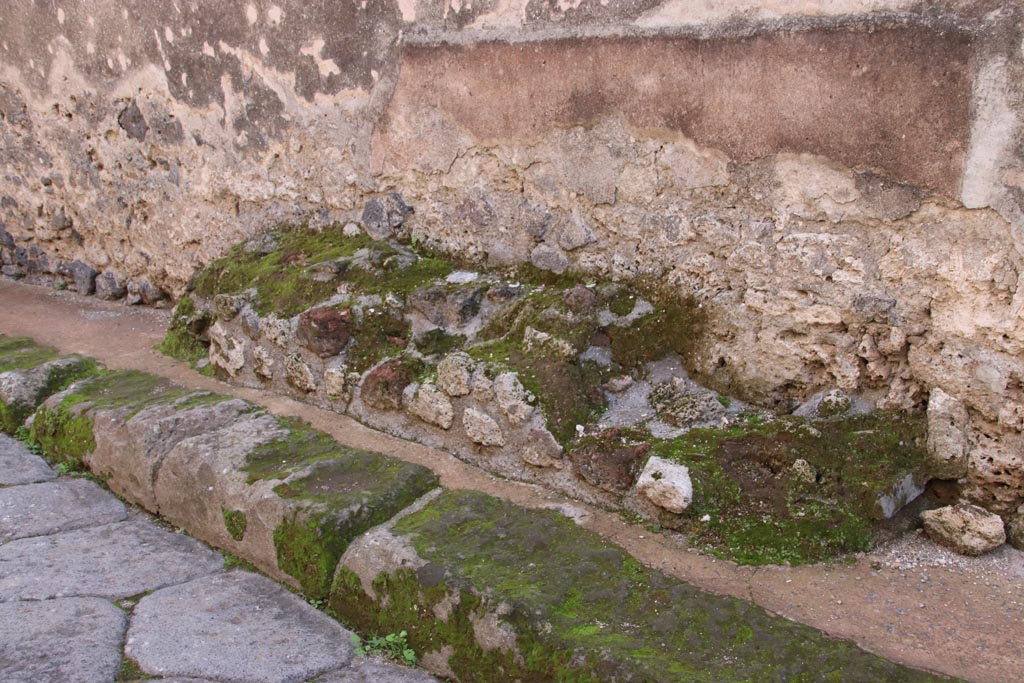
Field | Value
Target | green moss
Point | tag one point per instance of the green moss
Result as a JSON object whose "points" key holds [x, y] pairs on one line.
{"points": [[761, 512], [291, 278], [183, 338], [130, 671], [342, 497], [235, 522], [13, 415], [437, 341], [673, 327], [308, 550], [64, 438], [380, 335], [622, 303], [300, 445], [20, 353], [580, 607], [65, 433]]}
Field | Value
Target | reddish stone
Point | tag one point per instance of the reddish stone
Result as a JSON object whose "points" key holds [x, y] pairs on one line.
{"points": [[324, 331], [383, 386]]}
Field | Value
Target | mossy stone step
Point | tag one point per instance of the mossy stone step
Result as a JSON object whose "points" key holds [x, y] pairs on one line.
{"points": [[30, 373], [272, 490], [494, 592]]}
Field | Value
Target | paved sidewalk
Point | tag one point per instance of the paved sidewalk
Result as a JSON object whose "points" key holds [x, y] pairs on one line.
{"points": [[93, 591]]}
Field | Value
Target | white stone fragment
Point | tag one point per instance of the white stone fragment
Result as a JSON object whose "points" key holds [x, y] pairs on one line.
{"points": [[666, 484]]}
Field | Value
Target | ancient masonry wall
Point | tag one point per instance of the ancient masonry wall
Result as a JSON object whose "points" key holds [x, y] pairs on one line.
{"points": [[840, 182]]}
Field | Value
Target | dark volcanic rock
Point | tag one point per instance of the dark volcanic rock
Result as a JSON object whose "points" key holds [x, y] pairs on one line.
{"points": [[381, 216], [324, 331], [84, 276], [133, 122], [109, 286]]}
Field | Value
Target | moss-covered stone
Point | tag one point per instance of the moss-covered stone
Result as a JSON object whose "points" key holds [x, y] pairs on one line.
{"points": [[17, 353], [754, 505], [349, 494], [65, 431], [235, 522], [342, 493], [39, 383], [579, 608], [184, 335], [305, 267]]}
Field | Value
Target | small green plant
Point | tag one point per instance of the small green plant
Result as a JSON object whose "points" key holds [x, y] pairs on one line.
{"points": [[393, 646], [60, 286], [24, 434]]}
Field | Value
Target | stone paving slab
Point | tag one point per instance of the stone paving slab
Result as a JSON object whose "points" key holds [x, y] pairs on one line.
{"points": [[20, 466], [111, 561], [50, 507], [72, 640], [238, 627], [371, 670]]}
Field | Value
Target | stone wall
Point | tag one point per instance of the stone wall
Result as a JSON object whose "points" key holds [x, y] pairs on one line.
{"points": [[840, 182]]}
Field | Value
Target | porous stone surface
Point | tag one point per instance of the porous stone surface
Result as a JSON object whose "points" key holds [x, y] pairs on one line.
{"points": [[90, 632], [50, 507], [112, 561], [609, 465], [666, 484], [236, 626], [481, 428], [20, 466], [1015, 530], [454, 374], [965, 528], [947, 439], [324, 331], [430, 404]]}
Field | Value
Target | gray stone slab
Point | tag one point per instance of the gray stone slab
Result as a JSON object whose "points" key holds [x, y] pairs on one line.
{"points": [[111, 561], [372, 670], [238, 627], [38, 509], [72, 640], [20, 466]]}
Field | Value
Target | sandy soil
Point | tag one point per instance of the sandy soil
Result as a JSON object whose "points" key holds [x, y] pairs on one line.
{"points": [[909, 600]]}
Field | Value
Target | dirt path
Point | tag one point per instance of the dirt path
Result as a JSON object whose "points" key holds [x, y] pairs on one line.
{"points": [[909, 601]]}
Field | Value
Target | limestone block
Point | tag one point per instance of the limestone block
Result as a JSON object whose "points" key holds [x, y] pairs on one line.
{"points": [[226, 351], [666, 484], [481, 428], [432, 405], [947, 436], [965, 528], [512, 398], [454, 373]]}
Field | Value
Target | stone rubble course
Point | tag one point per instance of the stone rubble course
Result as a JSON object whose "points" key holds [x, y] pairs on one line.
{"points": [[70, 640], [237, 626], [19, 466], [111, 561], [49, 507], [520, 374]]}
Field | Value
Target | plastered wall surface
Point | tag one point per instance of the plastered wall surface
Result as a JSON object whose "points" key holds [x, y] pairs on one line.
{"points": [[839, 183]]}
